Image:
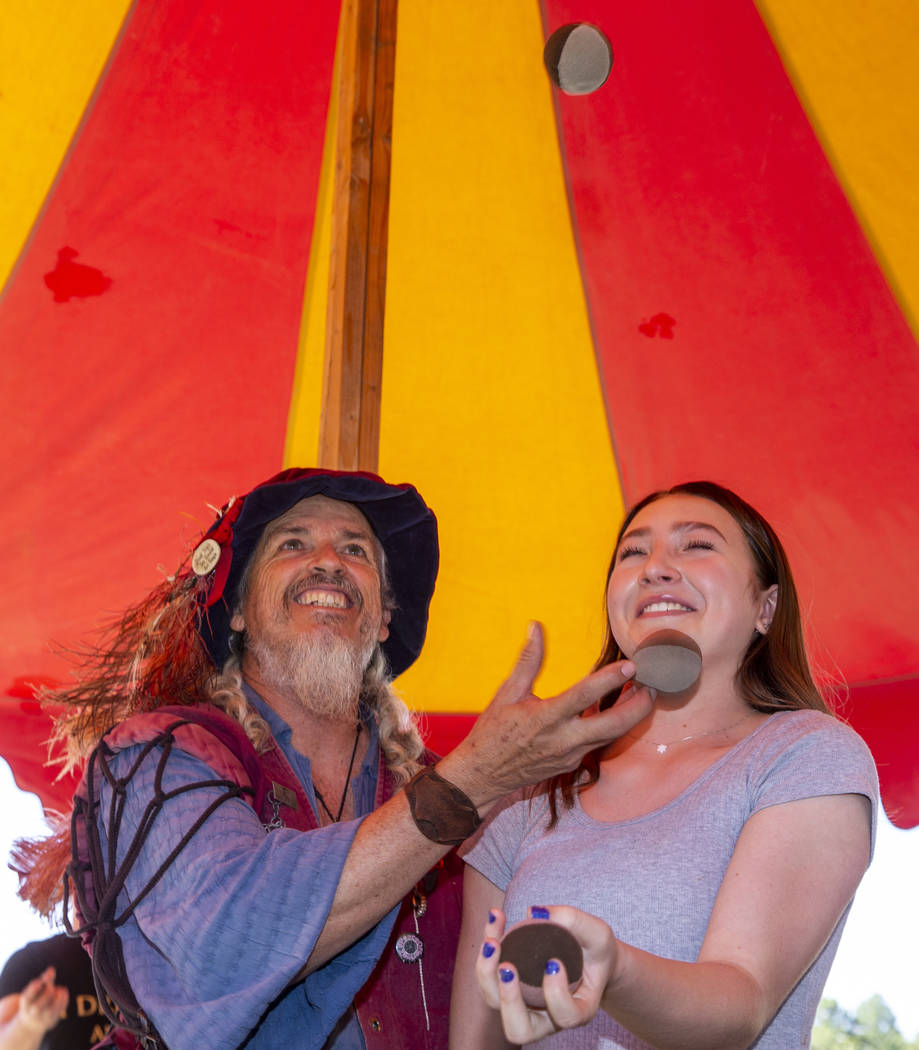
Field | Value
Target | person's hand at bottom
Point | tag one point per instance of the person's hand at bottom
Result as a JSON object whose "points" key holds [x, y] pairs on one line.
{"points": [[500, 982], [42, 1003]]}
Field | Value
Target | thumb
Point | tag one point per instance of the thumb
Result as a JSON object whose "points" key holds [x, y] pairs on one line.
{"points": [[519, 683]]}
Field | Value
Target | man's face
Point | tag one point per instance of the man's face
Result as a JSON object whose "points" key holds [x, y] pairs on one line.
{"points": [[316, 571]]}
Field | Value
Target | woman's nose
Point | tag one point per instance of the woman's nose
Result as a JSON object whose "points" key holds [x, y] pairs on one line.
{"points": [[659, 568]]}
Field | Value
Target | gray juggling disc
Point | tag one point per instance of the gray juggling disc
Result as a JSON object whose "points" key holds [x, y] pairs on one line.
{"points": [[578, 58], [668, 661]]}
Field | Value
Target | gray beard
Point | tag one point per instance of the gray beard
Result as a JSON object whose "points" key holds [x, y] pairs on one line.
{"points": [[323, 669]]}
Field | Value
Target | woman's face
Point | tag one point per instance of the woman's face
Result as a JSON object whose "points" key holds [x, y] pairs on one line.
{"points": [[683, 564]]}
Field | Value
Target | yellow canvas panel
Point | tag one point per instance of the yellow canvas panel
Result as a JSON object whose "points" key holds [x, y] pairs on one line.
{"points": [[302, 445], [51, 55], [491, 402], [853, 65]]}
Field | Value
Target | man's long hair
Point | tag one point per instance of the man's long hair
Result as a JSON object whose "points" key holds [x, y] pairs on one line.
{"points": [[154, 656]]}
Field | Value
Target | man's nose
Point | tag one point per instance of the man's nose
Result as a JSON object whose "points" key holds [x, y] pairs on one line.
{"points": [[327, 559]]}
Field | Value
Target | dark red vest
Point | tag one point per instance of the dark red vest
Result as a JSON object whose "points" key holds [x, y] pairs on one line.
{"points": [[406, 1001]]}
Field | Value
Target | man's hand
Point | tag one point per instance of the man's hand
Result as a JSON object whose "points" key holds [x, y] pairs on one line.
{"points": [[520, 739]]}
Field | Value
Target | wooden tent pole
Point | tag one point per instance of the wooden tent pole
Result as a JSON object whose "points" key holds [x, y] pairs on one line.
{"points": [[350, 427]]}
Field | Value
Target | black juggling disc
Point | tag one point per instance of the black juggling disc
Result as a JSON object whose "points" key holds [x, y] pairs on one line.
{"points": [[530, 945]]}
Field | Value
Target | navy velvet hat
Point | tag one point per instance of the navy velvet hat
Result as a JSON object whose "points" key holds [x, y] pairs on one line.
{"points": [[404, 525]]}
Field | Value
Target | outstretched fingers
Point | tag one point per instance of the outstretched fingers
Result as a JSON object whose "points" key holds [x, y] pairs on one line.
{"points": [[634, 704], [576, 724], [519, 683], [520, 739]]}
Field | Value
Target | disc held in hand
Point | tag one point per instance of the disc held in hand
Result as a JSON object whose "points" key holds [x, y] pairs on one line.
{"points": [[530, 945]]}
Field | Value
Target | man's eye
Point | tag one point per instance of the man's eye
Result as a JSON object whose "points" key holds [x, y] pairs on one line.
{"points": [[291, 544], [356, 550]]}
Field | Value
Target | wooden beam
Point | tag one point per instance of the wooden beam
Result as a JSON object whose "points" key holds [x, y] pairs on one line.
{"points": [[350, 426]]}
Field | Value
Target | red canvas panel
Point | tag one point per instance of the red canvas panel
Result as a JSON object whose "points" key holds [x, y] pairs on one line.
{"points": [[743, 328], [24, 729], [150, 329]]}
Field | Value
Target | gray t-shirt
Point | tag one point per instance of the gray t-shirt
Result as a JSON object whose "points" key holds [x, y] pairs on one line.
{"points": [[654, 879]]}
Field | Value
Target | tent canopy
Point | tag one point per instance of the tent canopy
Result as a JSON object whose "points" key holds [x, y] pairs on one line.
{"points": [[703, 269]]}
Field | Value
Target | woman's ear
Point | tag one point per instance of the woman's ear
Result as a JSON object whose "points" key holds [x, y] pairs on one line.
{"points": [[767, 609]]}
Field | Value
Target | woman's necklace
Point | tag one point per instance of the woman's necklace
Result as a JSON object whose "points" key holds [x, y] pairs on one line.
{"points": [[663, 748], [344, 794]]}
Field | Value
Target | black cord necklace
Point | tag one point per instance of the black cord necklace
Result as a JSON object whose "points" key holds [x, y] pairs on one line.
{"points": [[344, 794]]}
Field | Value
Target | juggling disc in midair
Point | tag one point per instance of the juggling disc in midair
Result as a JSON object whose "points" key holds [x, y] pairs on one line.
{"points": [[578, 58]]}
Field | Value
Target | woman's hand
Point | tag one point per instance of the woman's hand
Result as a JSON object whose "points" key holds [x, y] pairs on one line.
{"points": [[501, 987]]}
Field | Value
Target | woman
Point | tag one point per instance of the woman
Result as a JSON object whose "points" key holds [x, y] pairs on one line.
{"points": [[705, 860]]}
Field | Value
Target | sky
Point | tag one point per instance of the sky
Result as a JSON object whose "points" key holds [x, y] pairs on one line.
{"points": [[876, 956]]}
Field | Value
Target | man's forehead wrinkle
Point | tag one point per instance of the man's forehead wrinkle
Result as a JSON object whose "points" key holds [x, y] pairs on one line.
{"points": [[280, 527], [292, 527]]}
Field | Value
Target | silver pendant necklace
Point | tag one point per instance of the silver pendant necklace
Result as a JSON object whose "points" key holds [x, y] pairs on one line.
{"points": [[662, 749]]}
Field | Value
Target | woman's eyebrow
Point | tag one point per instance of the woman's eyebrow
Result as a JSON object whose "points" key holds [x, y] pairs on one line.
{"points": [[692, 526], [644, 531], [679, 526]]}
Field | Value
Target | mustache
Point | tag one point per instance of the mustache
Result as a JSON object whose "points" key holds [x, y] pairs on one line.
{"points": [[323, 579]]}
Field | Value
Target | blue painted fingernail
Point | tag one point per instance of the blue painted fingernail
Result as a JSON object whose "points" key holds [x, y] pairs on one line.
{"points": [[539, 913], [552, 966], [506, 975], [492, 916], [488, 950]]}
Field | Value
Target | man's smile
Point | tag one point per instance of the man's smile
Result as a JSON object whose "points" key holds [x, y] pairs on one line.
{"points": [[324, 599], [325, 592]]}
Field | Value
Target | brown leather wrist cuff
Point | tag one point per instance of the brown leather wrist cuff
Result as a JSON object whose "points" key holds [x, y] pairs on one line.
{"points": [[442, 812]]}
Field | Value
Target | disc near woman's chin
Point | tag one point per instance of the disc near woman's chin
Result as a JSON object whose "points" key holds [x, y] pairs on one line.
{"points": [[668, 661]]}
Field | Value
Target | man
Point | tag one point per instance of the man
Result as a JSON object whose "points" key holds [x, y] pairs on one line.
{"points": [[328, 918]]}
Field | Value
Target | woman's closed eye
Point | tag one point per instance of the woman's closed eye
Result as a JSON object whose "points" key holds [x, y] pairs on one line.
{"points": [[629, 551], [700, 544]]}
